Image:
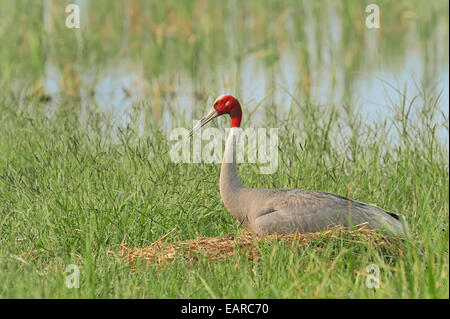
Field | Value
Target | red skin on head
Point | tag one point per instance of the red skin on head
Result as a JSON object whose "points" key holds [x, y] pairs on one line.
{"points": [[227, 104]]}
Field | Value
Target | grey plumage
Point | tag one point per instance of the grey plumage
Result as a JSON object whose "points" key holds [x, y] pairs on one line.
{"points": [[287, 211]]}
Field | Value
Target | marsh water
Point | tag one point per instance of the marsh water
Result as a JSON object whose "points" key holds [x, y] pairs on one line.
{"points": [[165, 63]]}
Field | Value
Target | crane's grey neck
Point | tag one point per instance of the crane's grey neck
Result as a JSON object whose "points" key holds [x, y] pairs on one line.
{"points": [[230, 186]]}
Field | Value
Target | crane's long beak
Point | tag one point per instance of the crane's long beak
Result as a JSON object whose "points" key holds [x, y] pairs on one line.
{"points": [[205, 119]]}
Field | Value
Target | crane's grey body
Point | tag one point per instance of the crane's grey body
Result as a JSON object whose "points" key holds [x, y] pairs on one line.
{"points": [[288, 211]]}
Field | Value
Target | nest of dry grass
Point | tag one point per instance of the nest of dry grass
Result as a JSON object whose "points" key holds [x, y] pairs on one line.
{"points": [[217, 248]]}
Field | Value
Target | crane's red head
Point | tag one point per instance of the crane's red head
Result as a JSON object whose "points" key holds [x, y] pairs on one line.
{"points": [[224, 104]]}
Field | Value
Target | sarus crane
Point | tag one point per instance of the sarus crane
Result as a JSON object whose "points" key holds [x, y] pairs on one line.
{"points": [[288, 211]]}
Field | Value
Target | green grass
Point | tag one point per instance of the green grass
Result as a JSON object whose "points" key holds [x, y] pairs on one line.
{"points": [[72, 191], [69, 195]]}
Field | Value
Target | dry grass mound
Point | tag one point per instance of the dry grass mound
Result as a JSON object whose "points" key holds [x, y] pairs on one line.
{"points": [[216, 248]]}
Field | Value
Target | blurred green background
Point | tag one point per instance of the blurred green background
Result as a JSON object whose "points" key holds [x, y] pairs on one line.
{"points": [[177, 56]]}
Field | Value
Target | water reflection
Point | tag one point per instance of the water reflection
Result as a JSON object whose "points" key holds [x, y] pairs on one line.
{"points": [[327, 62], [117, 90]]}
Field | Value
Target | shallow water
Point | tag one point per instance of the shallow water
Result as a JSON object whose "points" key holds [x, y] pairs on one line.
{"points": [[372, 82], [119, 88]]}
